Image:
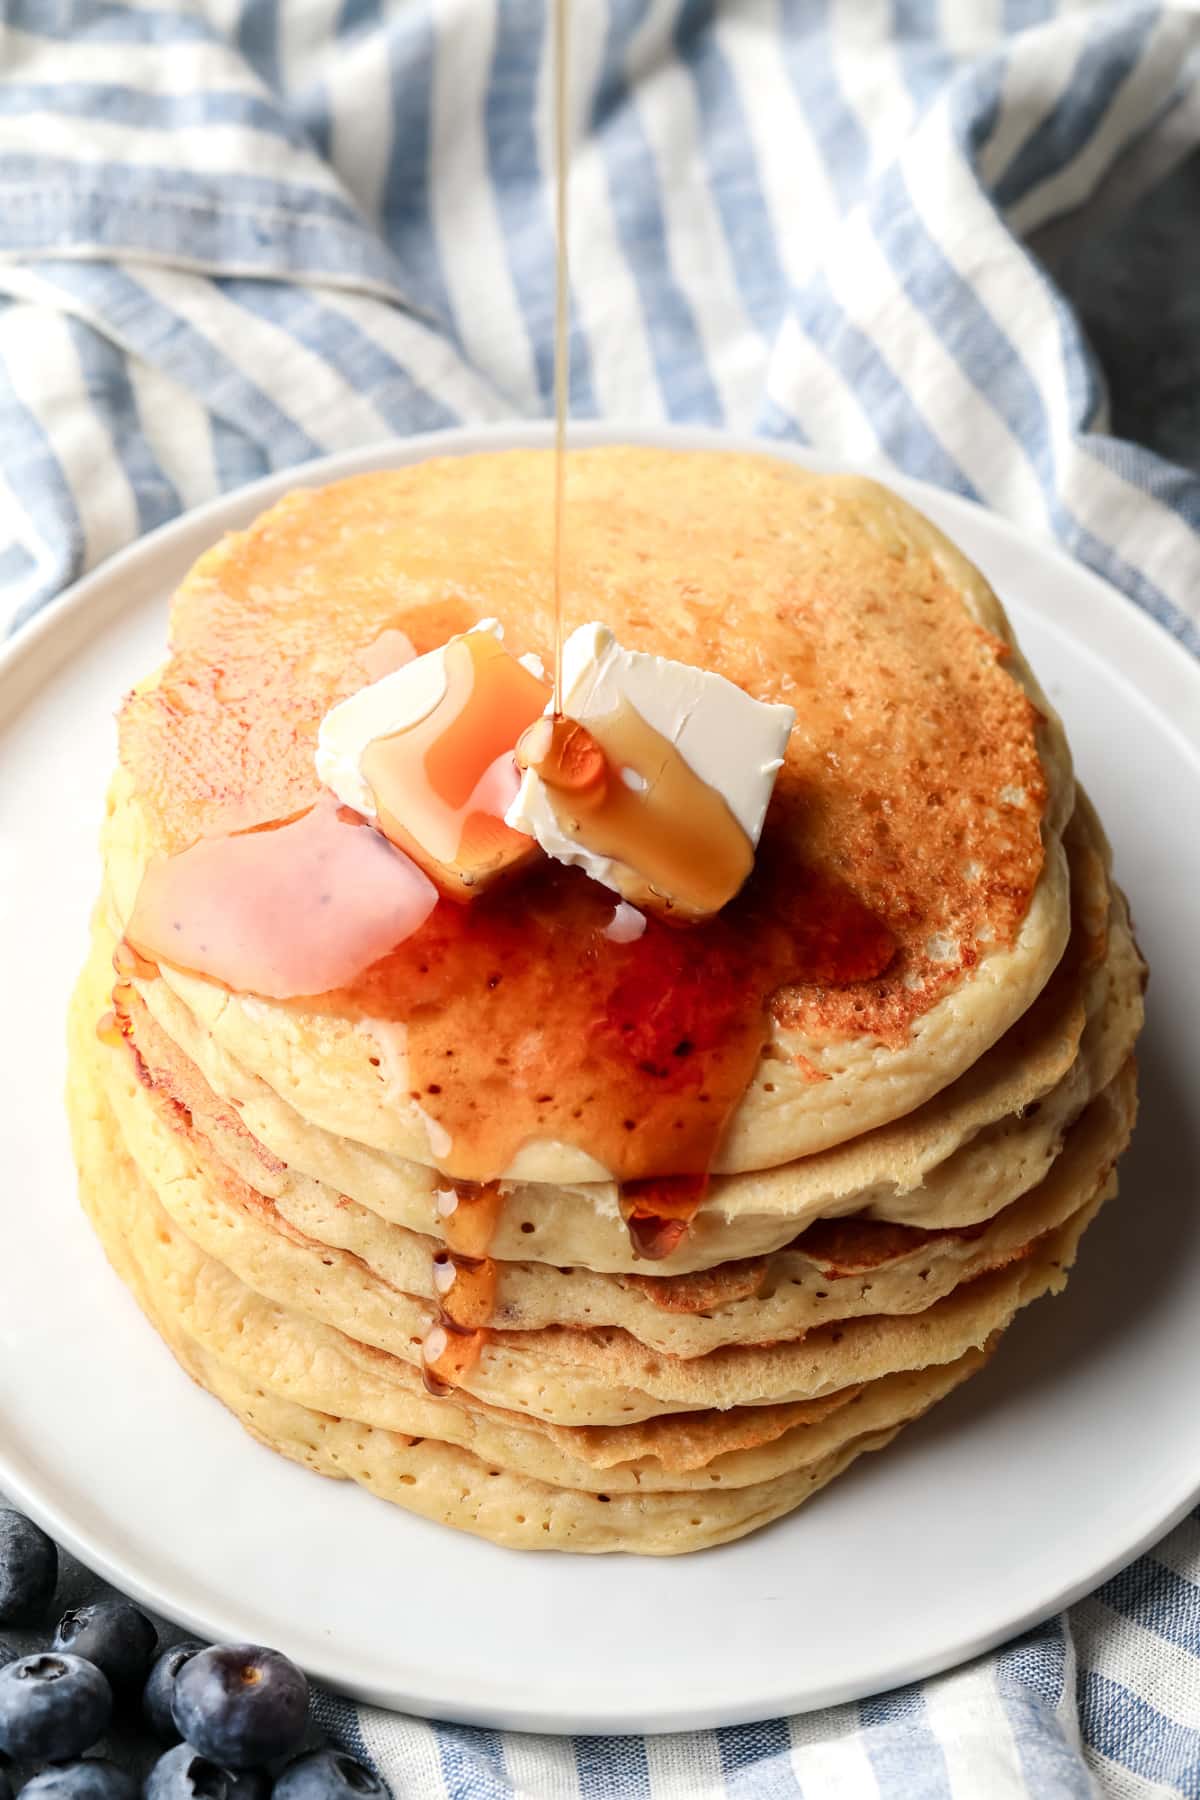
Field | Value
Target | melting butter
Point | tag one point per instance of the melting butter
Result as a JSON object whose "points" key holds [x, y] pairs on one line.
{"points": [[427, 752], [656, 779]]}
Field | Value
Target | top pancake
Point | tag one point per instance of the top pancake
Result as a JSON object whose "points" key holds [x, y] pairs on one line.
{"points": [[925, 777]]}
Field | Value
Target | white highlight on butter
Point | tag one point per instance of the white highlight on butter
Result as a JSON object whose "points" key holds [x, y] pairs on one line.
{"points": [[733, 742], [394, 703], [626, 925]]}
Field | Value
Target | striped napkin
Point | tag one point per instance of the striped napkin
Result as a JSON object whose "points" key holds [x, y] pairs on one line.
{"points": [[957, 237]]}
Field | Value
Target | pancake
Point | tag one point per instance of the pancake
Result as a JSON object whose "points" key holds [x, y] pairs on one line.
{"points": [[956, 1161], [926, 777], [313, 1365], [566, 1375], [675, 1502], [852, 1268]]}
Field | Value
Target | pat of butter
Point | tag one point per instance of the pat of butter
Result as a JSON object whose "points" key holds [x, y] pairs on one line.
{"points": [[733, 744], [427, 752], [393, 703]]}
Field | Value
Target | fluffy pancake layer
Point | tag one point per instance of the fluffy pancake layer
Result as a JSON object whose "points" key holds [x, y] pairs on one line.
{"points": [[926, 773], [329, 1399]]}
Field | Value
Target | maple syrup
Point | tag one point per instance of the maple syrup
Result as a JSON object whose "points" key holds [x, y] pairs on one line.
{"points": [[464, 1284], [658, 1212], [469, 1213], [443, 784], [622, 788], [111, 1029], [524, 1020], [562, 342], [129, 965], [115, 1026]]}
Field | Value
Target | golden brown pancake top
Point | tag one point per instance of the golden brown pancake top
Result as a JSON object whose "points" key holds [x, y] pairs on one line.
{"points": [[912, 775]]}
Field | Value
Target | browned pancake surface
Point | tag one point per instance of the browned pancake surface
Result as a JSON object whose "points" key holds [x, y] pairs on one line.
{"points": [[913, 773]]}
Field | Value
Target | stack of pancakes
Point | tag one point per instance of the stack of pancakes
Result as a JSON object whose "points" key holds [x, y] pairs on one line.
{"points": [[915, 1154]]}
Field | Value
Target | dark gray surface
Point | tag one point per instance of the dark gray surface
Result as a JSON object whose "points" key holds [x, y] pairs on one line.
{"points": [[1133, 278]]}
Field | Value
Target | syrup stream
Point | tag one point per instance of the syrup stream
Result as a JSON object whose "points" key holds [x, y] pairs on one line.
{"points": [[562, 348], [464, 1284]]}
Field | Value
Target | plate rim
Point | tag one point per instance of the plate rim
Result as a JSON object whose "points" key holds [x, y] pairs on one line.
{"points": [[1168, 679]]}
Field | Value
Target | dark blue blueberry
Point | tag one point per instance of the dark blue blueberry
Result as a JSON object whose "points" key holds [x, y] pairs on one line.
{"points": [[52, 1707], [6, 1791], [28, 1570], [160, 1688], [94, 1779], [183, 1774], [240, 1705], [329, 1775], [115, 1636]]}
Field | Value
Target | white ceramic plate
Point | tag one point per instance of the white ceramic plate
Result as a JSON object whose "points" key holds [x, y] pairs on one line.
{"points": [[1077, 1447]]}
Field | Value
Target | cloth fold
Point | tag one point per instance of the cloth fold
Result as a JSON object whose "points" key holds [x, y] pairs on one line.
{"points": [[956, 238]]}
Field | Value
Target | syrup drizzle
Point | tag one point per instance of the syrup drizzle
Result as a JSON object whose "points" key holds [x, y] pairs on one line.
{"points": [[464, 1282], [658, 1212], [524, 1020], [442, 785], [464, 1276], [624, 789], [562, 342], [115, 1027], [129, 965], [111, 1028]]}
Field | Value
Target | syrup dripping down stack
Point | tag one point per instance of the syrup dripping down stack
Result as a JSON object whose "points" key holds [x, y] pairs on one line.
{"points": [[431, 1231]]}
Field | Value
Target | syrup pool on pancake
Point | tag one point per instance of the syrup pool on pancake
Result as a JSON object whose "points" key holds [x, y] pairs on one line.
{"points": [[484, 869]]}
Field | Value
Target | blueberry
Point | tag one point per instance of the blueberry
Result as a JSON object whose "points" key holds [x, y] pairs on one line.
{"points": [[6, 1792], [240, 1705], [329, 1775], [183, 1774], [28, 1570], [52, 1707], [115, 1636], [160, 1689], [94, 1779]]}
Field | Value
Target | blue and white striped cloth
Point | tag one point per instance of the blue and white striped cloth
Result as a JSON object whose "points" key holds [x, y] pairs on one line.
{"points": [[958, 236]]}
